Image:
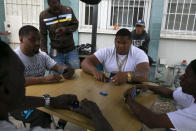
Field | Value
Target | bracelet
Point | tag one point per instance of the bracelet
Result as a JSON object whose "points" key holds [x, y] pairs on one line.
{"points": [[129, 77]]}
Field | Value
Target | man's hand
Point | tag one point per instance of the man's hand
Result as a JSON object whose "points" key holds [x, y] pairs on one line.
{"points": [[88, 108], [128, 95], [69, 73], [63, 101], [52, 78], [98, 75], [143, 88], [119, 78], [60, 30]]}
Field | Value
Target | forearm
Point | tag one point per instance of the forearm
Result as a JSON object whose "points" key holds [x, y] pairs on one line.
{"points": [[34, 80], [100, 123], [162, 91], [34, 102], [88, 66], [140, 75], [149, 118]]}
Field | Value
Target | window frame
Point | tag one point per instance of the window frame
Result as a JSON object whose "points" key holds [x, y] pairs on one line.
{"points": [[104, 21], [172, 33]]}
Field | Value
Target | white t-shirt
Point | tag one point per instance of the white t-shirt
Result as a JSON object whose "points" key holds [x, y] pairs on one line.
{"points": [[107, 57], [184, 119], [6, 126], [36, 65]]}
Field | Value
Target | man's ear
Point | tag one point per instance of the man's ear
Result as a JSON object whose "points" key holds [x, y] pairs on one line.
{"points": [[131, 41], [115, 40], [21, 39]]}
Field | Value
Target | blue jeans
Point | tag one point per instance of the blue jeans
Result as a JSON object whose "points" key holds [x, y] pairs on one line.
{"points": [[70, 58]]}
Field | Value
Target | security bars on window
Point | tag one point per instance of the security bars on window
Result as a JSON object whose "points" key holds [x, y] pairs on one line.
{"points": [[124, 13], [180, 16]]}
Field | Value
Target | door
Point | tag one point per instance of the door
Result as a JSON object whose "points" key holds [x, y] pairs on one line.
{"points": [[19, 13]]}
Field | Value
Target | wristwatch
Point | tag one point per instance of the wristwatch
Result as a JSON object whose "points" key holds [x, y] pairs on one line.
{"points": [[129, 76], [47, 100]]}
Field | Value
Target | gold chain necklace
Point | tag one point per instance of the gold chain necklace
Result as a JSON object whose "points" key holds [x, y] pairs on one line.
{"points": [[120, 64]]}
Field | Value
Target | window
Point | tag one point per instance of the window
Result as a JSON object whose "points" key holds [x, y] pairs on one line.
{"points": [[88, 14], [111, 13], [126, 13], [179, 17]]}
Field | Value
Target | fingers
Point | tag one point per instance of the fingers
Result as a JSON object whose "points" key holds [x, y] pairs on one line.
{"points": [[69, 73], [127, 92], [115, 80], [87, 104], [52, 78], [99, 76], [57, 78]]}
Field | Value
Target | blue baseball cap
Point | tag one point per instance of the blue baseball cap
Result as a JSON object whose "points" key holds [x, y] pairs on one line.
{"points": [[140, 22]]}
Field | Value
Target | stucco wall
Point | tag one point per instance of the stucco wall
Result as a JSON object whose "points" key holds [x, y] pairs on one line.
{"points": [[174, 51]]}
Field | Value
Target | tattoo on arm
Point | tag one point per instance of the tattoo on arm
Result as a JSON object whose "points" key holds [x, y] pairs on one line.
{"points": [[141, 74]]}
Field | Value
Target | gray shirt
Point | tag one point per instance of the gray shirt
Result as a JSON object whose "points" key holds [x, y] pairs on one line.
{"points": [[36, 65], [6, 126]]}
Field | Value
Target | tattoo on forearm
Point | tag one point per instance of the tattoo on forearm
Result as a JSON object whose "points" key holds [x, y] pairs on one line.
{"points": [[140, 75]]}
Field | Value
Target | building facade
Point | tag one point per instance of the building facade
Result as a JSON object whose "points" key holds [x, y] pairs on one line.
{"points": [[170, 23]]}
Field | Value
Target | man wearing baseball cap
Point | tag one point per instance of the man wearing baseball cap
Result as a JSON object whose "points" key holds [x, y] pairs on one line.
{"points": [[141, 38]]}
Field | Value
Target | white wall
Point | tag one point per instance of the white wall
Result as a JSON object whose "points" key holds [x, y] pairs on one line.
{"points": [[174, 51], [103, 40]]}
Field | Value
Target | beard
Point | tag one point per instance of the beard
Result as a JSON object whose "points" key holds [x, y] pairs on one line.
{"points": [[36, 52]]}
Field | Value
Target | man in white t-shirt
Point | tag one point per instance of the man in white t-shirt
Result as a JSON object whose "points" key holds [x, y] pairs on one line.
{"points": [[184, 119], [126, 61], [36, 64], [12, 96]]}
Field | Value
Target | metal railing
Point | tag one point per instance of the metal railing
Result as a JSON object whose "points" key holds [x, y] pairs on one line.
{"points": [[123, 13], [180, 16]]}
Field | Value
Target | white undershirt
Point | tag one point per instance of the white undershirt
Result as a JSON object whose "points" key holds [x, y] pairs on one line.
{"points": [[107, 57]]}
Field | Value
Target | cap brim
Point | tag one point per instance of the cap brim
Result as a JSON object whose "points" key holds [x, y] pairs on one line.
{"points": [[140, 24]]}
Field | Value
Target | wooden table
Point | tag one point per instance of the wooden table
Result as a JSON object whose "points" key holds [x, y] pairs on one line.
{"points": [[85, 86]]}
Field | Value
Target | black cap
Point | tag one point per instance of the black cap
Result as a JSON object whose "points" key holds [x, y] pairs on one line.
{"points": [[193, 65], [92, 2]]}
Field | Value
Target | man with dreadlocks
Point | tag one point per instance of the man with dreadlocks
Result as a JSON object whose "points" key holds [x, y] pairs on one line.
{"points": [[184, 119]]}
